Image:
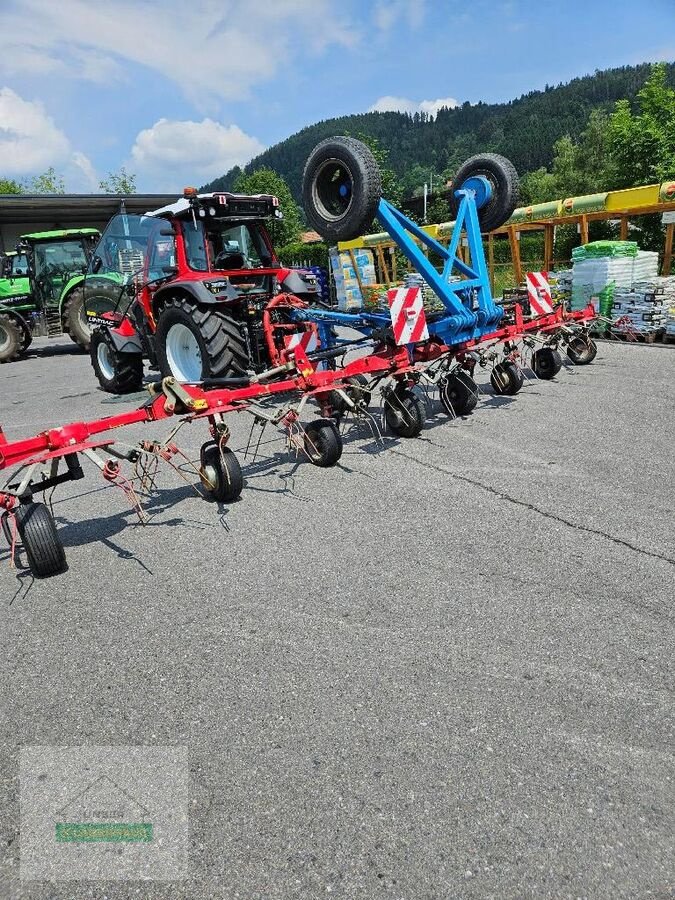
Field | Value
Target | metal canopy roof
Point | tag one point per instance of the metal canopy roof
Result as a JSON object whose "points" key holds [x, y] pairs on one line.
{"points": [[73, 209]]}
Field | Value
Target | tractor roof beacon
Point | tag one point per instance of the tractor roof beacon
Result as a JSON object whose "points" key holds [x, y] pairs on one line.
{"points": [[191, 283], [41, 289]]}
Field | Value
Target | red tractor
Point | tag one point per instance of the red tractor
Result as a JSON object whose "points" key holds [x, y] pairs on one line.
{"points": [[196, 288]]}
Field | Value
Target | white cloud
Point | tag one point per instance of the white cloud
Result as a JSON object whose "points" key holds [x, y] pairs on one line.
{"points": [[388, 13], [403, 104], [30, 142], [211, 50], [174, 153]]}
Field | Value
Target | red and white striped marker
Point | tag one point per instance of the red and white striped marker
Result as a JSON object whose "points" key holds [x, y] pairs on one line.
{"points": [[406, 308], [539, 293], [307, 340]]}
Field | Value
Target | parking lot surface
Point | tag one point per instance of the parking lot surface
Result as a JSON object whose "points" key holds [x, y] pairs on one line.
{"points": [[441, 669]]}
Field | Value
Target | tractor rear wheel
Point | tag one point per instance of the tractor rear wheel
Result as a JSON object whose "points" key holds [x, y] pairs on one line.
{"points": [[40, 539], [341, 188], [404, 412], [221, 473], [196, 342], [458, 393], [323, 444], [11, 338], [582, 350], [75, 323], [546, 363], [503, 179], [117, 373]]}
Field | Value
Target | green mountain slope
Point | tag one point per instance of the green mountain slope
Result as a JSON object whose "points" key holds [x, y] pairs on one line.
{"points": [[523, 130]]}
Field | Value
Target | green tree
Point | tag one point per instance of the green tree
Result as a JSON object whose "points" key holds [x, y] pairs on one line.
{"points": [[642, 144], [7, 186], [121, 182], [47, 183], [266, 181]]}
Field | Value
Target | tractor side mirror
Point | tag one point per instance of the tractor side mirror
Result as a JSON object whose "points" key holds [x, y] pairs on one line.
{"points": [[96, 264]]}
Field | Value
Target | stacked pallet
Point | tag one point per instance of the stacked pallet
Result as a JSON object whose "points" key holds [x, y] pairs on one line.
{"points": [[561, 287], [641, 309]]}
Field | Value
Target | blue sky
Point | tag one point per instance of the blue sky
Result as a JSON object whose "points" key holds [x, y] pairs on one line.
{"points": [[178, 91]]}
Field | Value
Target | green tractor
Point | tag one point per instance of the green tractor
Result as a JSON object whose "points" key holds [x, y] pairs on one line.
{"points": [[41, 289]]}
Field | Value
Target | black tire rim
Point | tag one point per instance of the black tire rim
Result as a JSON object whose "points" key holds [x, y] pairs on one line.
{"points": [[332, 189]]}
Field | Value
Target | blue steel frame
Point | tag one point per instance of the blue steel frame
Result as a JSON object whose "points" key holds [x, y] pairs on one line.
{"points": [[471, 311]]}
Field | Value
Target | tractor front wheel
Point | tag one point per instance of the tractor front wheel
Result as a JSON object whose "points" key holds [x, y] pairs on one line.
{"points": [[75, 322], [11, 339], [117, 373], [197, 342]]}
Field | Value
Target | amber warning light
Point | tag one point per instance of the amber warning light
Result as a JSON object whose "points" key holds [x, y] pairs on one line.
{"points": [[190, 192]]}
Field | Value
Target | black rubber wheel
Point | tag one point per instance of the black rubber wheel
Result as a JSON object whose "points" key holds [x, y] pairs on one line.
{"points": [[459, 393], [404, 413], [217, 348], [506, 379], [582, 350], [74, 318], [341, 188], [40, 539], [11, 338], [502, 175], [221, 473], [356, 388], [323, 444], [26, 339], [117, 373], [546, 363]]}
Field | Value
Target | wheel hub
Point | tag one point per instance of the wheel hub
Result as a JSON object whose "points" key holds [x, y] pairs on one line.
{"points": [[183, 354]]}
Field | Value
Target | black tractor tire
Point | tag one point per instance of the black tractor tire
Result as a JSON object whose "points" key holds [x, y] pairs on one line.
{"points": [[40, 540], [546, 363], [74, 319], [26, 338], [506, 379], [582, 350], [323, 444], [502, 175], [221, 473], [117, 373], [404, 413], [341, 188], [222, 346], [11, 338], [458, 393]]}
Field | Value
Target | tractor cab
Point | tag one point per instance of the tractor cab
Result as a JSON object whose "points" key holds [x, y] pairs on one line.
{"points": [[55, 258], [14, 265]]}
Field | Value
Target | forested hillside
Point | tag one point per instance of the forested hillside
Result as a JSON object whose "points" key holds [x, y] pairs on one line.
{"points": [[524, 130]]}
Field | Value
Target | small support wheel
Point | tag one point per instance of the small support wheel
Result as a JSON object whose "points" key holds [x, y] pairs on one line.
{"points": [[323, 444], [506, 378], [546, 363], [404, 412], [40, 539], [459, 393], [356, 388], [221, 473], [582, 350]]}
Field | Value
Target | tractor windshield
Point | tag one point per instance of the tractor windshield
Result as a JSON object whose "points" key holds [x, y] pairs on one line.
{"points": [[225, 246], [19, 266], [54, 264]]}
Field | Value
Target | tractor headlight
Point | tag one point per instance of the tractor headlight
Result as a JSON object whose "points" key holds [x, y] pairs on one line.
{"points": [[217, 287]]}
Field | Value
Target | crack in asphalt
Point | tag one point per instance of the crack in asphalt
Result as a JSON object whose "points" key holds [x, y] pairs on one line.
{"points": [[542, 512]]}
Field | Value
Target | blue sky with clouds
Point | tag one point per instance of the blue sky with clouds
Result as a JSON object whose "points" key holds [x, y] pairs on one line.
{"points": [[178, 91]]}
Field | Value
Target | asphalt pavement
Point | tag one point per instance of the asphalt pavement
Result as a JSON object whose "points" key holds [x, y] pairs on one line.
{"points": [[441, 669]]}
